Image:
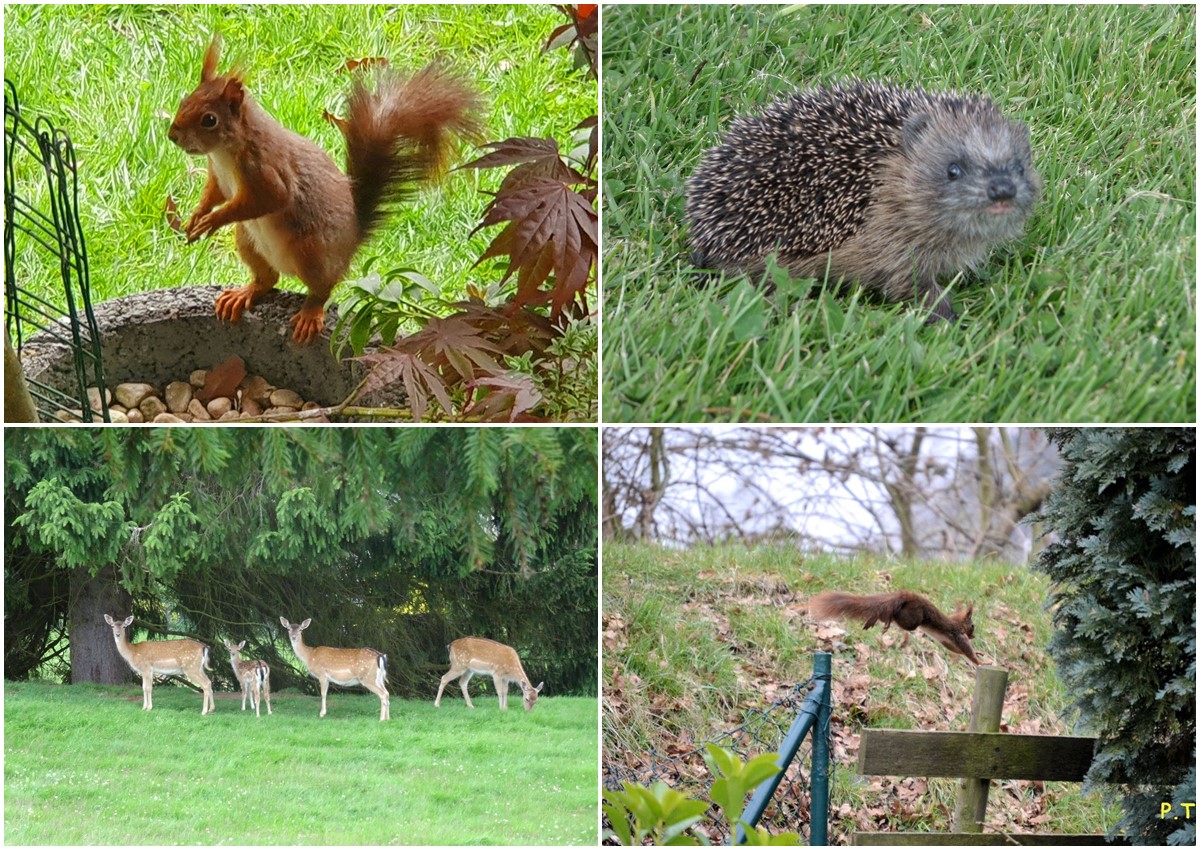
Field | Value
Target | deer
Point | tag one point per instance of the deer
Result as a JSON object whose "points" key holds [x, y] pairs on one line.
{"points": [[255, 677], [471, 655], [366, 667], [185, 657]]}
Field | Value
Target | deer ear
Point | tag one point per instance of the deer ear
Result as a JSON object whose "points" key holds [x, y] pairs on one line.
{"points": [[128, 619], [285, 623], [304, 625]]}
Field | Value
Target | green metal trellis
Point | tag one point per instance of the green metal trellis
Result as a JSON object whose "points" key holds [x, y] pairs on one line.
{"points": [[55, 230]]}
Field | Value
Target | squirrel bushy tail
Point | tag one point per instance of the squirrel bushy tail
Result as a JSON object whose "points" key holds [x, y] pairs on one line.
{"points": [[402, 134], [908, 610]]}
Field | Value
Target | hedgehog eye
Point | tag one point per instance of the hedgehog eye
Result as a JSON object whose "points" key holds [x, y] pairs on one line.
{"points": [[1019, 169], [954, 171], [208, 120]]}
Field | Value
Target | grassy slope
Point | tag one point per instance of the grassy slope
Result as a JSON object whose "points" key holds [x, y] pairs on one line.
{"points": [[84, 765], [113, 78], [1089, 317], [694, 639]]}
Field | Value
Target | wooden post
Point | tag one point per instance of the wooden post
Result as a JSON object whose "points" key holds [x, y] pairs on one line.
{"points": [[986, 708]]}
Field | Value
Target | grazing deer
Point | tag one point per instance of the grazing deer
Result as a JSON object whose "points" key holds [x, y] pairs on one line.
{"points": [[255, 677], [365, 667], [471, 655], [185, 657]]}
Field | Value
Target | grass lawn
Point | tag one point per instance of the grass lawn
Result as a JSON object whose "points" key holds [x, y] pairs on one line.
{"points": [[1089, 317], [113, 77], [85, 765], [695, 639]]}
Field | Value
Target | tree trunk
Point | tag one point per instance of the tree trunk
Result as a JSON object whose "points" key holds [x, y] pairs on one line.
{"points": [[18, 404], [94, 656]]}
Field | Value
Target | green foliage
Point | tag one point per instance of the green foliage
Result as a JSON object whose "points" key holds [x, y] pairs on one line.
{"points": [[1124, 602], [1090, 317], [658, 813], [662, 815], [81, 532], [85, 765], [401, 539], [500, 354]]}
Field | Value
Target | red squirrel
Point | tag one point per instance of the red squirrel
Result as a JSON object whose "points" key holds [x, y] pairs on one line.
{"points": [[296, 213], [907, 610]]}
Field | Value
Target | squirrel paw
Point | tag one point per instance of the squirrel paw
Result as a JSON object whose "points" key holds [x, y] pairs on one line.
{"points": [[309, 322], [232, 302], [197, 226]]}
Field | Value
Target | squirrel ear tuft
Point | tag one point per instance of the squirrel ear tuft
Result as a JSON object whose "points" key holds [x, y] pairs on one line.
{"points": [[209, 69]]}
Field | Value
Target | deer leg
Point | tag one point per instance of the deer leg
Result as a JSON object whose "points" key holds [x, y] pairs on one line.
{"points": [[266, 684], [466, 678], [147, 686], [447, 679], [385, 708], [501, 691], [209, 706], [324, 691]]}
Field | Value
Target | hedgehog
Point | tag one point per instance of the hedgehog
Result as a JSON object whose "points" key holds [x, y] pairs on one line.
{"points": [[891, 187]]}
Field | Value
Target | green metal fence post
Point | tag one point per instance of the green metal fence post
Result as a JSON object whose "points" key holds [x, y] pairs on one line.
{"points": [[814, 714], [818, 814]]}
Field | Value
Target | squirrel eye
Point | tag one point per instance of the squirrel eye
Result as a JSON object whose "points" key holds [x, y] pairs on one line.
{"points": [[208, 121], [954, 171]]}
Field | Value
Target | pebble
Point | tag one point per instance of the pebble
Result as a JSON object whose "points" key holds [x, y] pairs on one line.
{"points": [[152, 406], [134, 402], [198, 411], [178, 395], [94, 399], [130, 395], [219, 406], [286, 398]]}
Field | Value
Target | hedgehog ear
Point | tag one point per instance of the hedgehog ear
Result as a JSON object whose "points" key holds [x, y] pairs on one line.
{"points": [[914, 127]]}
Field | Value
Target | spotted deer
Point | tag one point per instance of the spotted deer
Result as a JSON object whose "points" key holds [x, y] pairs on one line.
{"points": [[471, 655], [185, 657], [366, 667], [255, 677]]}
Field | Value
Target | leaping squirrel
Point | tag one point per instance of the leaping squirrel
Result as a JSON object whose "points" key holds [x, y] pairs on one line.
{"points": [[907, 610], [296, 212]]}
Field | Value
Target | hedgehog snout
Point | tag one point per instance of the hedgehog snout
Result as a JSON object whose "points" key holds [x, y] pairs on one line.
{"points": [[1001, 189]]}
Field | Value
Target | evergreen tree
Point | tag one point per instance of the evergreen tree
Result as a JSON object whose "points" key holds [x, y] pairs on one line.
{"points": [[1124, 572], [401, 539]]}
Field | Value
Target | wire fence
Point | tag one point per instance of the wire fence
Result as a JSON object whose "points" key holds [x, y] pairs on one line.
{"points": [[761, 731]]}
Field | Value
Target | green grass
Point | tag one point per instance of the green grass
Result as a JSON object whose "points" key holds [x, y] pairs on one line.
{"points": [[1090, 316], [113, 76], [695, 639], [85, 765]]}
